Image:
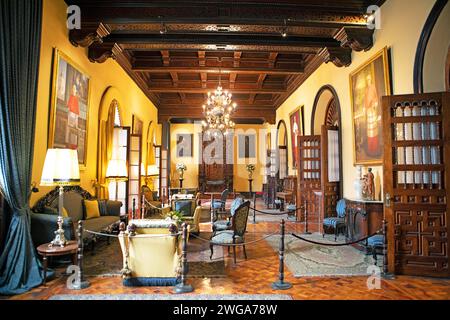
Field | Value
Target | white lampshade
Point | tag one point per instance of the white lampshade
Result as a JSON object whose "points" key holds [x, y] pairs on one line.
{"points": [[152, 171], [117, 169], [60, 168]]}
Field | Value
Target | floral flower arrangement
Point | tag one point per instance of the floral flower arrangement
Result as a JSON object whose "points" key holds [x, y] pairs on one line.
{"points": [[250, 169], [181, 167]]}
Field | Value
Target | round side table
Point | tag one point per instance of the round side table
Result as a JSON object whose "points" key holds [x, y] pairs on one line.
{"points": [[55, 251]]}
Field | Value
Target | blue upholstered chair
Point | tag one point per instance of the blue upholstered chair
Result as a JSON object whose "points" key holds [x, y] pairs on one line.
{"points": [[222, 225], [234, 236], [219, 205], [375, 243], [337, 224]]}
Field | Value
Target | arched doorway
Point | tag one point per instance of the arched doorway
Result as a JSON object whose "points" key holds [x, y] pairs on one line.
{"points": [[282, 140], [327, 112]]}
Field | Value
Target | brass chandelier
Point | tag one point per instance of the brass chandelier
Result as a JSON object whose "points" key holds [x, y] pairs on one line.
{"points": [[218, 109]]}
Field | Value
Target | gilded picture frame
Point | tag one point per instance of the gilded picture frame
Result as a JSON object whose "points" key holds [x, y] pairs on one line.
{"points": [[69, 107], [368, 84], [297, 128]]}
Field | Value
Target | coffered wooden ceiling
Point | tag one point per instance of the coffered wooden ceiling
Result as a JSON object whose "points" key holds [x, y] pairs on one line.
{"points": [[177, 51]]}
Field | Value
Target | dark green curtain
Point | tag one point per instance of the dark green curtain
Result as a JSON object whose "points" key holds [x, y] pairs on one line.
{"points": [[20, 37]]}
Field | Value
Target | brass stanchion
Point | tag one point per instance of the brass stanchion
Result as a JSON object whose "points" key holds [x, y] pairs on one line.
{"points": [[183, 287], [281, 284], [80, 283], [254, 208]]}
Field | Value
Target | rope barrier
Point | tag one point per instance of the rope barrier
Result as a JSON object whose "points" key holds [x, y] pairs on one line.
{"points": [[276, 213], [236, 244], [135, 236], [335, 244]]}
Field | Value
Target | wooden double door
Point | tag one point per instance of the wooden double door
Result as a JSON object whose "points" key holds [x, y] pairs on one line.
{"points": [[417, 183]]}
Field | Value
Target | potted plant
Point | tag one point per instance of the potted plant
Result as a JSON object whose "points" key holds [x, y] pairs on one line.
{"points": [[175, 216], [181, 168], [250, 169]]}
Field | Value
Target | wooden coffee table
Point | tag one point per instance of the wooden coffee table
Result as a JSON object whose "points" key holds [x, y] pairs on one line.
{"points": [[55, 251]]}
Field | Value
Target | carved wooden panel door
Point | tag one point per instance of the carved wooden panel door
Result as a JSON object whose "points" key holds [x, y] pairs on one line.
{"points": [[330, 170], [417, 183], [309, 178]]}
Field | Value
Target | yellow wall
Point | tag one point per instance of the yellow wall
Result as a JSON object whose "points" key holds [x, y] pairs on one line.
{"points": [[109, 74], [240, 171], [401, 25]]}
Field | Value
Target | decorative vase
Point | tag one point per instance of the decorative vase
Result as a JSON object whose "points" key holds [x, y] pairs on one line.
{"points": [[181, 172], [358, 184], [250, 175]]}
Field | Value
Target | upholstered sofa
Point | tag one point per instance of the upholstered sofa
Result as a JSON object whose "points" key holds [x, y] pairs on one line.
{"points": [[45, 214], [151, 253]]}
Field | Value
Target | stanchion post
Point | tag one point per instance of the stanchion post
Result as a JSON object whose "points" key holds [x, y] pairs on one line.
{"points": [[183, 287], [386, 274], [80, 283], [133, 210], [281, 284], [305, 206], [254, 208]]}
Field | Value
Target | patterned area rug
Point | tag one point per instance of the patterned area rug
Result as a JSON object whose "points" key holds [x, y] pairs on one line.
{"points": [[310, 260], [252, 297], [107, 260]]}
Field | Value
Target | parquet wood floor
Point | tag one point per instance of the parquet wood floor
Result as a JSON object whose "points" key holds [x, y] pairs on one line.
{"points": [[255, 275]]}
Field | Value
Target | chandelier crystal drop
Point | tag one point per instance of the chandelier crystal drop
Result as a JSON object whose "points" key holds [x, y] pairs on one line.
{"points": [[218, 110]]}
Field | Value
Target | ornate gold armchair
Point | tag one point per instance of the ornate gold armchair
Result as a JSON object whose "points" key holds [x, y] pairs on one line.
{"points": [[151, 253]]}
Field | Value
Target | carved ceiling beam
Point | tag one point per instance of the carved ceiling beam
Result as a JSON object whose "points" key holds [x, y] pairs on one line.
{"points": [[261, 79], [88, 34], [237, 59], [213, 86], [273, 59], [341, 57], [178, 41], [165, 114], [356, 38], [174, 77], [142, 66], [233, 77], [165, 57], [201, 58], [204, 78], [101, 53]]}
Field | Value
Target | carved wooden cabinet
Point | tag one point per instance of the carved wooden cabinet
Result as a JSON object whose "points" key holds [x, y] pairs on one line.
{"points": [[364, 218], [216, 169]]}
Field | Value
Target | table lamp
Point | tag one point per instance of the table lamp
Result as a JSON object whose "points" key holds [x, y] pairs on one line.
{"points": [[60, 169], [117, 171]]}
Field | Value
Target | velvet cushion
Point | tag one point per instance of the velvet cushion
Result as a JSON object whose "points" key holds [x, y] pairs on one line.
{"points": [[184, 206], [54, 211], [92, 209], [226, 237]]}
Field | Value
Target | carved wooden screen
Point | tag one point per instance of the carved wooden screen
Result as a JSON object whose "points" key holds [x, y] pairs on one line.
{"points": [[164, 176], [416, 183], [330, 170], [309, 176], [134, 171]]}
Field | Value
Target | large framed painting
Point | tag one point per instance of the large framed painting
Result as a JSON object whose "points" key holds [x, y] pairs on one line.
{"points": [[138, 125], [297, 122], [185, 145], [69, 107], [368, 84]]}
